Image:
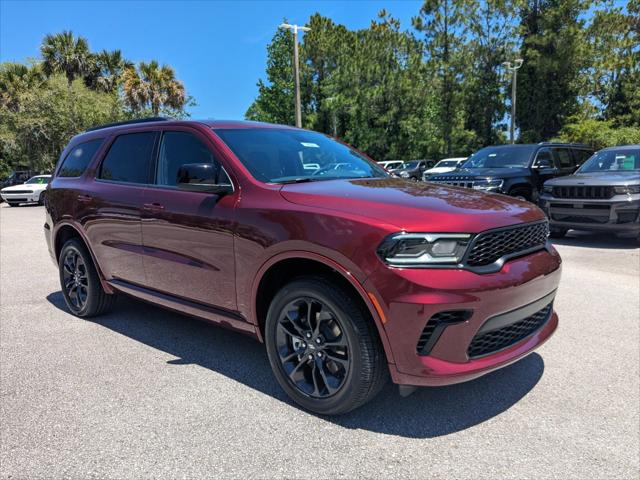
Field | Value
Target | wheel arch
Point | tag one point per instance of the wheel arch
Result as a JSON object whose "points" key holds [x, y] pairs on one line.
{"points": [[64, 232], [281, 269]]}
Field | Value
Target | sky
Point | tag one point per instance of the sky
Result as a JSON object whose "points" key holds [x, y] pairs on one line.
{"points": [[217, 48]]}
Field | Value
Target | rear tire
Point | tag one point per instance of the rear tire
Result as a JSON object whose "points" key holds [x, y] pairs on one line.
{"points": [[81, 287], [323, 348]]}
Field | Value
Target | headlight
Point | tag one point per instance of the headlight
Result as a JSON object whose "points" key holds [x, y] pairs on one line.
{"points": [[423, 249], [548, 189], [488, 184], [404, 174], [630, 189]]}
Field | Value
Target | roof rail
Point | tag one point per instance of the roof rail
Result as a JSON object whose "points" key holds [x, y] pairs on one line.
{"points": [[127, 122], [564, 143]]}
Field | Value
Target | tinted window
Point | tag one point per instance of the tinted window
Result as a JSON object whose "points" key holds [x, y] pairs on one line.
{"points": [[515, 156], [79, 158], [276, 156], [129, 158], [581, 156], [544, 157], [563, 155], [180, 148]]}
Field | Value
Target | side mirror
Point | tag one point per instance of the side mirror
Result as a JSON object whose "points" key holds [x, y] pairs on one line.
{"points": [[543, 163], [202, 177]]}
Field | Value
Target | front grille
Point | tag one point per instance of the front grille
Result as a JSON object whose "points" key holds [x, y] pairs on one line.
{"points": [[490, 246], [579, 218], [19, 192], [453, 181], [435, 325], [582, 191], [495, 340]]}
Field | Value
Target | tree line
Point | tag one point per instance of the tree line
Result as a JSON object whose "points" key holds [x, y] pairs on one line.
{"points": [[45, 102], [440, 88]]}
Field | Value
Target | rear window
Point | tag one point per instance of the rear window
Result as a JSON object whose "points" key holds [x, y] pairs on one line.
{"points": [[76, 162], [129, 158]]}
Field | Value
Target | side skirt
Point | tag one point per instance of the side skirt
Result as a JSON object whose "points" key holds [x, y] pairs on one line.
{"points": [[227, 319]]}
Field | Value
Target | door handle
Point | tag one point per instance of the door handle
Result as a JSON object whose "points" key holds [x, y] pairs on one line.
{"points": [[84, 198], [153, 207]]}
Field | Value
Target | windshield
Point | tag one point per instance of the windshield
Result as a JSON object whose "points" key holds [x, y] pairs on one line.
{"points": [[446, 163], [279, 156], [500, 157], [38, 180], [612, 161], [412, 164]]}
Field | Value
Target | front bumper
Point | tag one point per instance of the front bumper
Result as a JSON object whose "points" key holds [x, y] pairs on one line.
{"points": [[21, 197], [620, 213], [410, 297]]}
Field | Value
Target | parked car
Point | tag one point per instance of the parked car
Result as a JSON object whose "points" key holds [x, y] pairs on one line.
{"points": [[413, 169], [517, 170], [391, 165], [31, 191], [603, 194], [349, 277], [445, 165], [17, 177]]}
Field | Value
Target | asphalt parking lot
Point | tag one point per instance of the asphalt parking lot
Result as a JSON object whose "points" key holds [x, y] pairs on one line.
{"points": [[143, 392]]}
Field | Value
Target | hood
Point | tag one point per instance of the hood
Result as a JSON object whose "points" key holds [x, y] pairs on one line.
{"points": [[34, 187], [488, 172], [413, 206], [597, 178], [433, 170]]}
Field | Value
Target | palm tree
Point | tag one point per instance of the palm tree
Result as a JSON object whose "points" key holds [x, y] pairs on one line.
{"points": [[107, 69], [63, 53], [153, 85], [15, 78]]}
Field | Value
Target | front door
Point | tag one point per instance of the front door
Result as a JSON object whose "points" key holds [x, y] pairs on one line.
{"points": [[188, 236], [544, 167]]}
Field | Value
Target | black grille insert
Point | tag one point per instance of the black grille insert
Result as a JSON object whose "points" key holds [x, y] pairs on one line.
{"points": [[581, 191], [490, 342], [490, 246], [436, 325]]}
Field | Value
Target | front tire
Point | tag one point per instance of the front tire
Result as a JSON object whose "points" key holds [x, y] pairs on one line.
{"points": [[558, 232], [81, 287], [323, 348]]}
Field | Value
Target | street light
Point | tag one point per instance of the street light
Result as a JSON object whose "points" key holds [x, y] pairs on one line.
{"points": [[514, 76], [295, 29]]}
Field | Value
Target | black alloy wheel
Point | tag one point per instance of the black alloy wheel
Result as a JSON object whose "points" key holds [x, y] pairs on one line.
{"points": [[75, 279], [312, 347]]}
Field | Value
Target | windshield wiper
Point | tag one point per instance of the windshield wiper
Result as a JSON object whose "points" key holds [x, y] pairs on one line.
{"points": [[294, 180]]}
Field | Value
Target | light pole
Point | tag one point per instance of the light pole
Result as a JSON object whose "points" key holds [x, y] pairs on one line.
{"points": [[295, 29], [514, 78]]}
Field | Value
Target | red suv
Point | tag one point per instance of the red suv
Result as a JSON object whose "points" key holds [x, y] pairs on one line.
{"points": [[346, 274]]}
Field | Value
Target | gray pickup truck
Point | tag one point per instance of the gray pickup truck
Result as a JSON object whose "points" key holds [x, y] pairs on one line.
{"points": [[603, 194]]}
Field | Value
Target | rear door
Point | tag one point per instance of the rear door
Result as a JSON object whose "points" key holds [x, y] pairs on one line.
{"points": [[188, 236], [110, 206]]}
